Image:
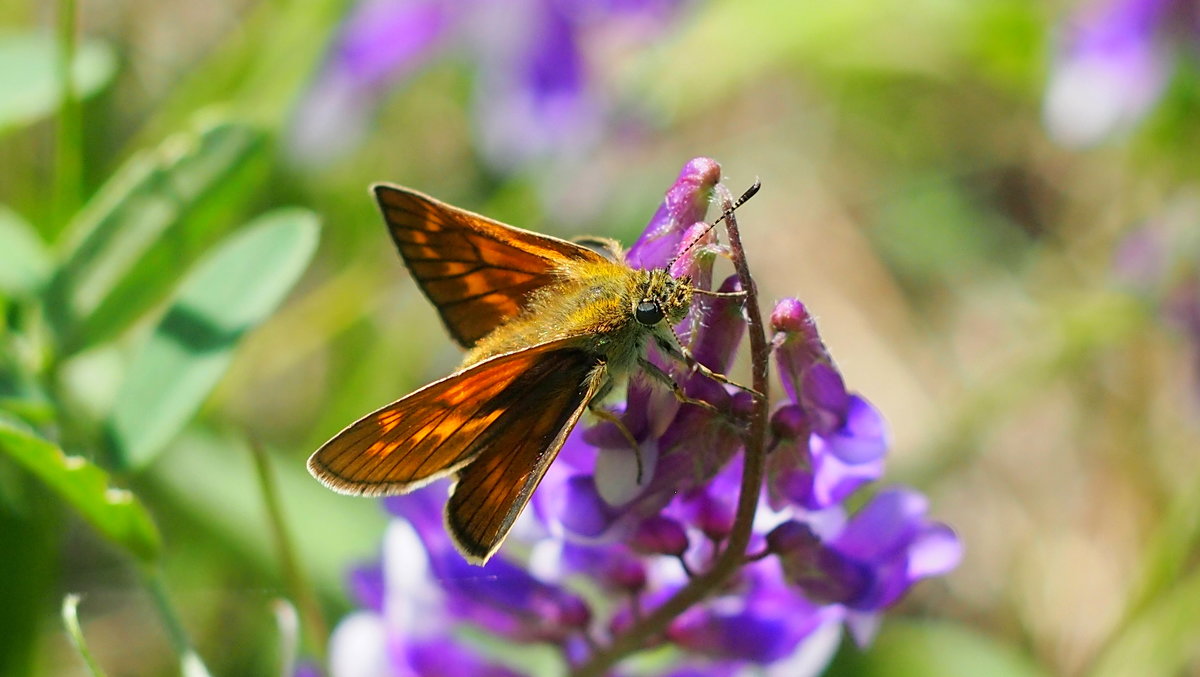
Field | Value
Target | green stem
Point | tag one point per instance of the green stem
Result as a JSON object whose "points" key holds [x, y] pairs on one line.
{"points": [[1163, 570], [313, 625], [152, 578], [69, 132], [70, 617]]}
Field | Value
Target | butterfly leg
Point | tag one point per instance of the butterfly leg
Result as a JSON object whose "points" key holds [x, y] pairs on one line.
{"points": [[663, 377], [692, 362], [606, 415], [685, 356]]}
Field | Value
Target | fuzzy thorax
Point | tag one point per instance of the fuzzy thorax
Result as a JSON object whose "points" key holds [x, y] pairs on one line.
{"points": [[596, 302]]}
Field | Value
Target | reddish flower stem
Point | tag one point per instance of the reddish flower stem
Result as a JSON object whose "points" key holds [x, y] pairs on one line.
{"points": [[733, 556]]}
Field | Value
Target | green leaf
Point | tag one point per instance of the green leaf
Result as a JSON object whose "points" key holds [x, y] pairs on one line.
{"points": [[24, 261], [29, 75], [116, 513], [91, 296], [228, 294]]}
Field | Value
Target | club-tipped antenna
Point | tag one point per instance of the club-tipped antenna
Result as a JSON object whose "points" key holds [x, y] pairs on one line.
{"points": [[749, 193]]}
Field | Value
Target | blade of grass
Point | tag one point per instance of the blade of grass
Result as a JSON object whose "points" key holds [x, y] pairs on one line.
{"points": [[190, 662], [69, 142], [314, 628], [70, 618]]}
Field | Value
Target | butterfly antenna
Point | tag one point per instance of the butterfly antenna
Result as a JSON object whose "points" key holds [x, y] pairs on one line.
{"points": [[749, 193]]}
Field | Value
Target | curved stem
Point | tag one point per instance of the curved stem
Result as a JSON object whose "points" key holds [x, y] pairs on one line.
{"points": [[733, 556]]}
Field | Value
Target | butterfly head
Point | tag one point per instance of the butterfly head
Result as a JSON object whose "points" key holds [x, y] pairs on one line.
{"points": [[662, 297]]}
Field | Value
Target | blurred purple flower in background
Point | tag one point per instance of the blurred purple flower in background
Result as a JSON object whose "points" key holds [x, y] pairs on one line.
{"points": [[536, 91], [1159, 261], [1113, 63], [597, 526]]}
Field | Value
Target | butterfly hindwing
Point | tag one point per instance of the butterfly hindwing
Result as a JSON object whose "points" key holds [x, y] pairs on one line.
{"points": [[476, 271], [537, 412], [443, 426]]}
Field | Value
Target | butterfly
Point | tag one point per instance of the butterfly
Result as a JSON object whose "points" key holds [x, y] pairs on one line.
{"points": [[549, 325]]}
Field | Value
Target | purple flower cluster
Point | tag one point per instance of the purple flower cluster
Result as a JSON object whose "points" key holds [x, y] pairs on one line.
{"points": [[1114, 61], [613, 531], [535, 90]]}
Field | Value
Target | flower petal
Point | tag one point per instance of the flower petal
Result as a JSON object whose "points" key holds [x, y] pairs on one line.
{"points": [[585, 512], [936, 551], [685, 203], [885, 525], [358, 646], [367, 586], [834, 480], [863, 438], [617, 480], [446, 657]]}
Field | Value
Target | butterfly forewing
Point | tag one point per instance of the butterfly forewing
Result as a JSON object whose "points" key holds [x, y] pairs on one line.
{"points": [[434, 431], [476, 271]]}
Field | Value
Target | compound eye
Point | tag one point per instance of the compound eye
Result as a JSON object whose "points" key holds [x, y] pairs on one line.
{"points": [[648, 313]]}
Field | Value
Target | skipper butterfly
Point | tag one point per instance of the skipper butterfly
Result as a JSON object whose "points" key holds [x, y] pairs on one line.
{"points": [[549, 326]]}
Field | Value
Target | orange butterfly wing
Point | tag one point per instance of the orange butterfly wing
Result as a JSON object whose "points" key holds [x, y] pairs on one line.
{"points": [[537, 413], [498, 424], [476, 271]]}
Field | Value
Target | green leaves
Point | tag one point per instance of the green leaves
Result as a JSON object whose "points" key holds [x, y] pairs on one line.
{"points": [[123, 248], [237, 287], [122, 257], [24, 262], [116, 513], [29, 75]]}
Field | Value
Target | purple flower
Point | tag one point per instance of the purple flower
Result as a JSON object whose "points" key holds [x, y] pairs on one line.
{"points": [[381, 43], [536, 95], [1113, 63], [878, 555], [830, 442], [306, 669], [637, 524], [764, 619], [500, 596], [685, 203], [409, 634]]}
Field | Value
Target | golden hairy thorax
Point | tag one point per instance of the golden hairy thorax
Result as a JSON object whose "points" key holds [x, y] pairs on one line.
{"points": [[596, 302]]}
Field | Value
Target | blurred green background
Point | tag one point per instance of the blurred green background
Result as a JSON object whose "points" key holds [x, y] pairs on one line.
{"points": [[191, 304]]}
